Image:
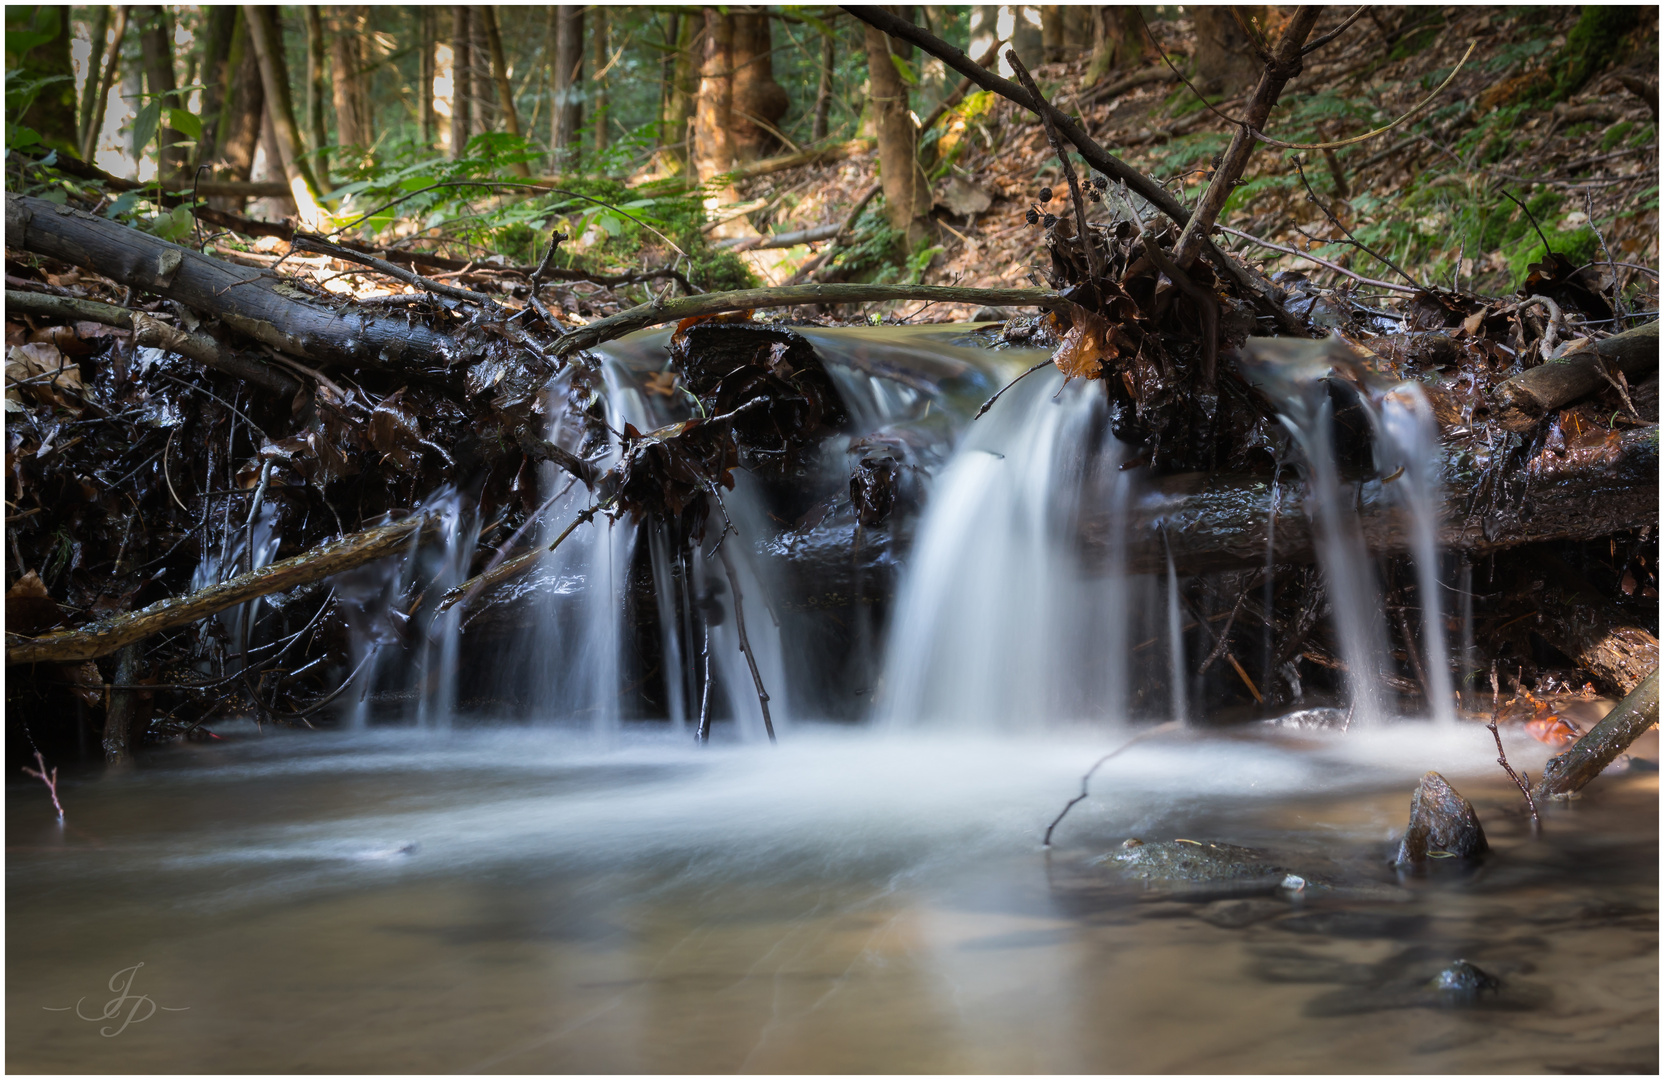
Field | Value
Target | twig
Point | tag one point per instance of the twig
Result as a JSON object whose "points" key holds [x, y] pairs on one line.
{"points": [[1094, 262], [989, 404], [319, 246], [745, 642], [1140, 737], [1333, 34], [471, 588], [704, 732], [1311, 196], [1354, 275], [1506, 194], [50, 779], [1502, 757]]}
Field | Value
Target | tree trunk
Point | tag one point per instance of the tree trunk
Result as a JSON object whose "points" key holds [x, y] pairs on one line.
{"points": [[906, 190], [681, 91], [481, 90], [267, 42], [97, 32], [1224, 62], [106, 81], [823, 94], [713, 148], [1118, 41], [567, 114], [426, 42], [156, 48], [1051, 33], [351, 101], [499, 75], [317, 132], [601, 45], [216, 36], [759, 102], [52, 113], [241, 114], [462, 108]]}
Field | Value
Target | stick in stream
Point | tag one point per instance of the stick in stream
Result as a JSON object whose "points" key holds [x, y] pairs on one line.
{"points": [[50, 779], [705, 688], [989, 404], [1502, 757], [1070, 805], [745, 647], [471, 588], [1567, 772]]}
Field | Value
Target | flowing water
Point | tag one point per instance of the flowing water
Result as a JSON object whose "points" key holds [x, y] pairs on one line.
{"points": [[593, 891]]}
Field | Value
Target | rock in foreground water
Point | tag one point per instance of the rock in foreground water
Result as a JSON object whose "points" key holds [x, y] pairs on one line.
{"points": [[1442, 825]]}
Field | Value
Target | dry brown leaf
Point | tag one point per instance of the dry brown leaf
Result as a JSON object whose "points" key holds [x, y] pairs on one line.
{"points": [[1085, 347]]}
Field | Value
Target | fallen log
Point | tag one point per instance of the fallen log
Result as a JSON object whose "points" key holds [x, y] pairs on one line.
{"points": [[782, 240], [153, 333], [105, 637], [1584, 760], [1589, 628], [1529, 396], [832, 152], [256, 303]]}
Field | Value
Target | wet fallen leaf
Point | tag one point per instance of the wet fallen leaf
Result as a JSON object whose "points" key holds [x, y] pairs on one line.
{"points": [[1085, 347], [29, 610], [662, 383], [1556, 731]]}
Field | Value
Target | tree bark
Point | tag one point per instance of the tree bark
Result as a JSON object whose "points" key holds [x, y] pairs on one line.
{"points": [[105, 637], [317, 131], [823, 93], [426, 39], [481, 90], [713, 148], [907, 197], [219, 29], [1118, 41], [353, 126], [156, 49], [676, 134], [106, 80], [97, 32], [462, 109], [759, 102], [1051, 33], [255, 303], [1224, 62], [267, 45], [601, 40], [567, 110], [499, 75]]}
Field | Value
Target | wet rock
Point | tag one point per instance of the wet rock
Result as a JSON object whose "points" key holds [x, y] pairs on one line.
{"points": [[1463, 979], [1322, 719], [1442, 825], [1195, 862]]}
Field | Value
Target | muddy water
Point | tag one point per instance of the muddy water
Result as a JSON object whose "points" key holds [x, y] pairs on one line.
{"points": [[528, 900]]}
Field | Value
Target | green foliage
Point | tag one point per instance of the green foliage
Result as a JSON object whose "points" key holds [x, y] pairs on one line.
{"points": [[876, 250], [1414, 43], [1580, 246]]}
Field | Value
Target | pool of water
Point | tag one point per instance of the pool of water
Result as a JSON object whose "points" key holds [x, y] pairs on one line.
{"points": [[525, 900]]}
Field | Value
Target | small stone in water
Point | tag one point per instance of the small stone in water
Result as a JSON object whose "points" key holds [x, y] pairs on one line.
{"points": [[1466, 979], [1132, 843], [1442, 825], [1294, 883]]}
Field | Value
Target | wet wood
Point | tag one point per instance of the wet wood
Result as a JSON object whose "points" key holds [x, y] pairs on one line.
{"points": [[102, 638], [1587, 627], [256, 303], [1529, 396], [1572, 770]]}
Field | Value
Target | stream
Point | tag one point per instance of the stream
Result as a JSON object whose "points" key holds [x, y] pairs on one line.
{"points": [[505, 899]]}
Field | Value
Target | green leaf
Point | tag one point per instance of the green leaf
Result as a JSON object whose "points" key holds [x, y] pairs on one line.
{"points": [[185, 122], [905, 70], [44, 29], [611, 224], [144, 125], [18, 136]]}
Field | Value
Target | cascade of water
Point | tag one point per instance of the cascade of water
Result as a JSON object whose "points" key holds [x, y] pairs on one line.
{"points": [[1408, 441], [441, 568], [1178, 674], [998, 624]]}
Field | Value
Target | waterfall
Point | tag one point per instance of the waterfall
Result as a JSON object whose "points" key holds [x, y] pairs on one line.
{"points": [[999, 624]]}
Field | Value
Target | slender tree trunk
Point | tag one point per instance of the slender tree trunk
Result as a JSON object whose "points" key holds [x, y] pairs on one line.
{"points": [[759, 102], [481, 90], [106, 81], [1118, 41], [499, 75], [317, 132], [567, 113], [713, 151], [683, 91], [352, 103], [1051, 32], [220, 26], [242, 112], [97, 32], [602, 39], [156, 47], [461, 108], [267, 44], [906, 190], [1224, 62], [823, 95], [426, 41]]}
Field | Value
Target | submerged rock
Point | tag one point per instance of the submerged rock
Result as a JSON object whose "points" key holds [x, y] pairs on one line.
{"points": [[1193, 861], [1464, 980], [1442, 825]]}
